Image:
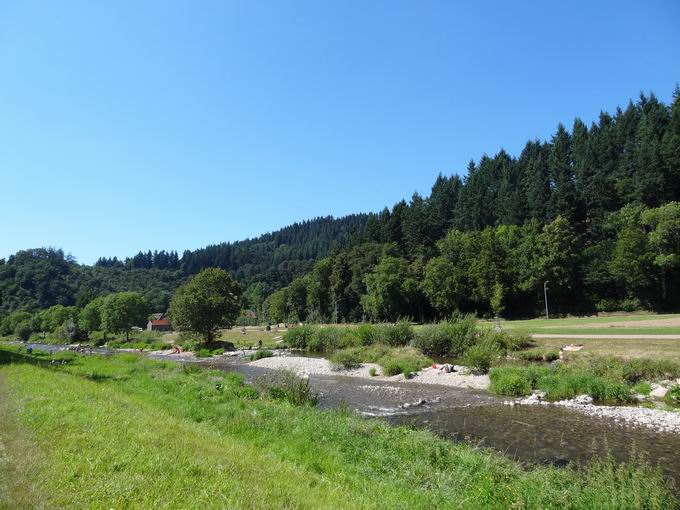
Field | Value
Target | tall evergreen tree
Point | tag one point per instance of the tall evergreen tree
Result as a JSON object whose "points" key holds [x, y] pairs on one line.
{"points": [[562, 183]]}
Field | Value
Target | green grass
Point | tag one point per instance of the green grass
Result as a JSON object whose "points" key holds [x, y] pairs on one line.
{"points": [[668, 330], [260, 354], [624, 324], [146, 434], [606, 379], [642, 388], [392, 360]]}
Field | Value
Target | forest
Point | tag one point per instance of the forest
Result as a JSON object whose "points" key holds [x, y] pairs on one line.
{"points": [[594, 211], [40, 278]]}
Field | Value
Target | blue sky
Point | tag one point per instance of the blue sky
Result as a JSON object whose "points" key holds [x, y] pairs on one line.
{"points": [[128, 126]]}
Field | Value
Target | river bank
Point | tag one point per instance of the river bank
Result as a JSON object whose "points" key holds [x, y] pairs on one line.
{"points": [[459, 377], [241, 449], [534, 434], [659, 420]]}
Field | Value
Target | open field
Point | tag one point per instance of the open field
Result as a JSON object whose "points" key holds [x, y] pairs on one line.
{"points": [[253, 336], [624, 347], [128, 432], [611, 324]]}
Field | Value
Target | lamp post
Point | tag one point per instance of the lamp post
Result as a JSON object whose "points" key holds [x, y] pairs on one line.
{"points": [[545, 296]]}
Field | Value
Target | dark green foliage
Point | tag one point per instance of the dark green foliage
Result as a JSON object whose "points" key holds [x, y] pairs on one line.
{"points": [[403, 362], [449, 338], [23, 331], [395, 335], [480, 356], [367, 334], [566, 384], [538, 354], [206, 303], [298, 337]]}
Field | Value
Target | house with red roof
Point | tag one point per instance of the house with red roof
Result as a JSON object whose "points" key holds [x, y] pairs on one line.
{"points": [[159, 322]]}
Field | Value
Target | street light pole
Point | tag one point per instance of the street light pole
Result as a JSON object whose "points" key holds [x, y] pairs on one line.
{"points": [[545, 296]]}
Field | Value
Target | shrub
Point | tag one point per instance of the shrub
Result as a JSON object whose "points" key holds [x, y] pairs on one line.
{"points": [[246, 320], [508, 341], [288, 387], [673, 396], [434, 339], [366, 334], [393, 366], [479, 357], [260, 354], [637, 369], [299, 337], [325, 339], [448, 338], [24, 331], [346, 358], [395, 335], [630, 371], [403, 361], [203, 353], [372, 372], [463, 333], [616, 305], [564, 384], [512, 381], [538, 354]]}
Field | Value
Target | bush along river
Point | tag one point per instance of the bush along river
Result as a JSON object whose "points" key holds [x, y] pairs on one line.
{"points": [[542, 434]]}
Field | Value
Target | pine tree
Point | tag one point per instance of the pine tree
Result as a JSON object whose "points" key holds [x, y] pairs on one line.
{"points": [[533, 165], [563, 191]]}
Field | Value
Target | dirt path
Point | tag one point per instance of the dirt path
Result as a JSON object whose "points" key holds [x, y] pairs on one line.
{"points": [[18, 460], [606, 337]]}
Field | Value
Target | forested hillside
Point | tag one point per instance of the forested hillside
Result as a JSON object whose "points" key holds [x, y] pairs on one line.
{"points": [[594, 211], [40, 278]]}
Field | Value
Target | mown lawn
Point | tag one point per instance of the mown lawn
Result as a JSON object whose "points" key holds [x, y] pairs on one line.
{"points": [[126, 432], [598, 325]]}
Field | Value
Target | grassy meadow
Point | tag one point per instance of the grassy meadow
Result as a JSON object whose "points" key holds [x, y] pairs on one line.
{"points": [[610, 324], [127, 432]]}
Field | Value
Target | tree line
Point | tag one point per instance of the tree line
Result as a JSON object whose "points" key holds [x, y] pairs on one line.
{"points": [[593, 211], [39, 278]]}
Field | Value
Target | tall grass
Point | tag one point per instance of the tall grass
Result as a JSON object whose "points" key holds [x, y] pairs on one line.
{"points": [[328, 338], [448, 338], [560, 383]]}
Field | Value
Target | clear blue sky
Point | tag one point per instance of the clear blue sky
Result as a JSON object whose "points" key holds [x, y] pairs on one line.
{"points": [[128, 126]]}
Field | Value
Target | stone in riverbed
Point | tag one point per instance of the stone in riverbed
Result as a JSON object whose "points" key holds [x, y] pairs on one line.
{"points": [[659, 392]]}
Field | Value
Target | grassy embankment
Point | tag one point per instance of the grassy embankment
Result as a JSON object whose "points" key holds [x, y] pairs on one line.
{"points": [[126, 432]]}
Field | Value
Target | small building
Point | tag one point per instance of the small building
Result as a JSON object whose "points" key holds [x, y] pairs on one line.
{"points": [[159, 322]]}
